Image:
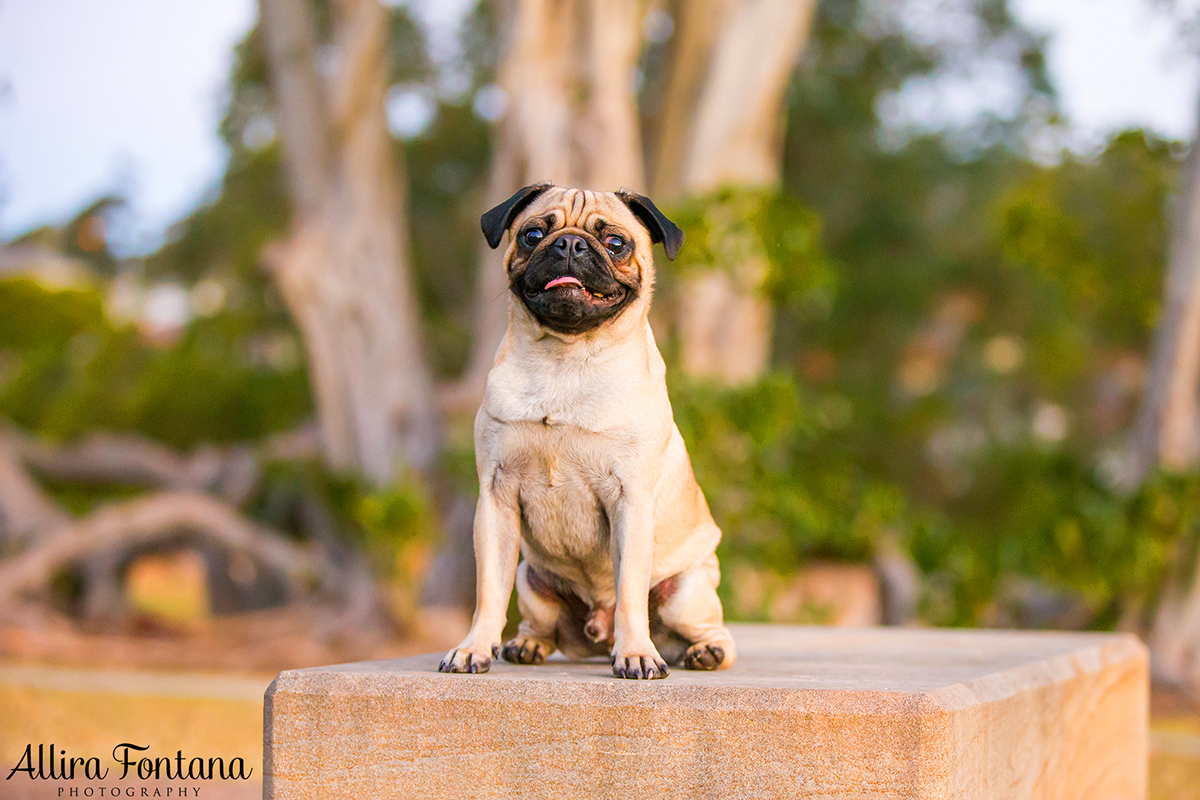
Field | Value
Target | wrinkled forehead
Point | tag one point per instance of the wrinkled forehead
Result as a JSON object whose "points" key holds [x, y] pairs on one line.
{"points": [[582, 208]]}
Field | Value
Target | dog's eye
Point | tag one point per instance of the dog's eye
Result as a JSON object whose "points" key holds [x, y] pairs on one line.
{"points": [[615, 244], [531, 237]]}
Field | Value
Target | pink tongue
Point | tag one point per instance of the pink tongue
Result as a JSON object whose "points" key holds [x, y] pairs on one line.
{"points": [[565, 280]]}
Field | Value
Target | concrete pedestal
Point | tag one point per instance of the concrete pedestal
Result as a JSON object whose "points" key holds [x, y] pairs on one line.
{"points": [[805, 713]]}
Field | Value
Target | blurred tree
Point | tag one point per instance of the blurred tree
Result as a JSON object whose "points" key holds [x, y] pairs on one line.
{"points": [[568, 77], [223, 242], [580, 126], [66, 369], [722, 128], [1166, 432], [84, 238], [959, 306], [343, 269]]}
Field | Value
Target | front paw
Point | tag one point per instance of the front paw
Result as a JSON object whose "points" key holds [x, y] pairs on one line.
{"points": [[640, 667], [465, 658], [524, 650]]}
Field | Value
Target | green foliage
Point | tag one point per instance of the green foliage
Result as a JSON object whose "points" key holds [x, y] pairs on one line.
{"points": [[84, 237], [396, 515], [382, 521], [1049, 516], [732, 227], [800, 274], [978, 362], [1096, 234], [66, 369], [408, 61], [34, 316], [960, 326], [779, 493], [393, 528]]}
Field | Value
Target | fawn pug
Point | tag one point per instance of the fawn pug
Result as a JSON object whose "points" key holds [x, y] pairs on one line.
{"points": [[582, 470]]}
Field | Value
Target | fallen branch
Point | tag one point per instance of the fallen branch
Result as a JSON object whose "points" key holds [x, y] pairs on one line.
{"points": [[107, 458], [132, 460], [24, 507], [325, 582], [146, 520]]}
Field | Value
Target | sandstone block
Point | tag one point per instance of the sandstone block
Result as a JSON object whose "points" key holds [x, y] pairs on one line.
{"points": [[805, 713]]}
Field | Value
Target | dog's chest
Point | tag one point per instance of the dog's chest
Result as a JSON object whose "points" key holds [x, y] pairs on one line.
{"points": [[565, 491]]}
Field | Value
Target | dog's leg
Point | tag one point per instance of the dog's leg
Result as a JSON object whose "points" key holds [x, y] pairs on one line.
{"points": [[497, 540], [633, 654], [693, 610], [541, 607]]}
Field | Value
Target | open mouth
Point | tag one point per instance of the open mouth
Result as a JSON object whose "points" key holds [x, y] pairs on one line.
{"points": [[570, 287]]}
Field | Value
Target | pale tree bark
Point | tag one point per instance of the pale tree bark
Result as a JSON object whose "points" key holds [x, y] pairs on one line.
{"points": [[24, 508], [1165, 433], [343, 270], [1174, 636], [691, 51], [196, 509], [148, 519], [724, 129], [133, 460], [569, 72]]}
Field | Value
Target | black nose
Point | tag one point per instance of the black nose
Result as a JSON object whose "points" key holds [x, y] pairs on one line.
{"points": [[570, 245]]}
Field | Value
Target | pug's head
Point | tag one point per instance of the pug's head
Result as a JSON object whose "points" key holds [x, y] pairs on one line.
{"points": [[578, 259]]}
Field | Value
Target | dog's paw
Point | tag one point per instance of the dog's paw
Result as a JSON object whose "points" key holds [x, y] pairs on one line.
{"points": [[525, 650], [467, 659], [703, 656], [639, 667]]}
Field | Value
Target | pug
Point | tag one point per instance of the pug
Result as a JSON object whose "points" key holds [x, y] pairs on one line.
{"points": [[582, 470]]}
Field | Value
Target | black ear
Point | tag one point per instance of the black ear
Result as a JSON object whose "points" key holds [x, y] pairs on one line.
{"points": [[496, 221], [661, 229]]}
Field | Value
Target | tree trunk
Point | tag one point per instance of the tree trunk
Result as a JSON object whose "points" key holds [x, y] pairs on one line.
{"points": [[343, 270], [724, 128], [691, 49], [1165, 432], [1174, 636], [569, 73]]}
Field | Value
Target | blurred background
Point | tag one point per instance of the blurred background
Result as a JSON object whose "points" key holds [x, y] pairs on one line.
{"points": [[933, 339]]}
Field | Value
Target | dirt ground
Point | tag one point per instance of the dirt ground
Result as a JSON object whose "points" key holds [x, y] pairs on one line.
{"points": [[88, 713], [1174, 746], [198, 693]]}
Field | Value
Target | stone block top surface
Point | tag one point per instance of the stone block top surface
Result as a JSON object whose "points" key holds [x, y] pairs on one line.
{"points": [[805, 712], [937, 662]]}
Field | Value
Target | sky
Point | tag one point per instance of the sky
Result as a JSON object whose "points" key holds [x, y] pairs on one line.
{"points": [[1119, 63], [113, 95], [126, 95]]}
